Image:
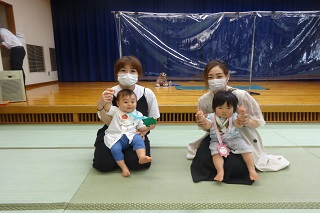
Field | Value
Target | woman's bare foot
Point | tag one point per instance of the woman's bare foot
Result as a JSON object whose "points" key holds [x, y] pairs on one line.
{"points": [[219, 176], [253, 175], [145, 159], [125, 172]]}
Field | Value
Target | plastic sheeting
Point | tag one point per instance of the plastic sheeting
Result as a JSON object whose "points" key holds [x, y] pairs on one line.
{"points": [[257, 45]]}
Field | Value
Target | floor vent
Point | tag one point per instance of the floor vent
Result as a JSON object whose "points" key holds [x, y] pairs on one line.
{"points": [[306, 117], [36, 118], [89, 118], [177, 118]]}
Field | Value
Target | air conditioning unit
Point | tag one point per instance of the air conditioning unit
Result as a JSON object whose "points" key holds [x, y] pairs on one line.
{"points": [[11, 86]]}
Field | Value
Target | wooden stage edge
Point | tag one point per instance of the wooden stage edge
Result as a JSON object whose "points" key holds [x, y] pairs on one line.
{"points": [[70, 102]]}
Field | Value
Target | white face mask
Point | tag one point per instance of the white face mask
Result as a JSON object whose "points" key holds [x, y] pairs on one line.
{"points": [[127, 79], [217, 84]]}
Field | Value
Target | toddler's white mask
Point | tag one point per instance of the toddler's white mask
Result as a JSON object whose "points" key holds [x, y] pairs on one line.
{"points": [[217, 84], [127, 79]]}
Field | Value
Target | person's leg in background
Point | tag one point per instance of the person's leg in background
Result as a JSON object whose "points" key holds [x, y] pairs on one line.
{"points": [[16, 59]]}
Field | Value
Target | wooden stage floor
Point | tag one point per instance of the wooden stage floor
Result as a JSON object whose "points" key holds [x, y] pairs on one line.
{"points": [[75, 102]]}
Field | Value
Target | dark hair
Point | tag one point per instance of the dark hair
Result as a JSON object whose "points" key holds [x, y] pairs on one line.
{"points": [[212, 64], [127, 60], [222, 97], [125, 93]]}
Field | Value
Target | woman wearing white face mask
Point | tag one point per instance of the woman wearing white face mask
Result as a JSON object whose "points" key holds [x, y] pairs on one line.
{"points": [[216, 76], [127, 69]]}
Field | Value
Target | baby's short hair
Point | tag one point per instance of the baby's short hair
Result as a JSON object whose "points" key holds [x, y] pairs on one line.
{"points": [[125, 93]]}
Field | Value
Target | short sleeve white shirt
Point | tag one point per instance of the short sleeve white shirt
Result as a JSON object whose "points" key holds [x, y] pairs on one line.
{"points": [[121, 124]]}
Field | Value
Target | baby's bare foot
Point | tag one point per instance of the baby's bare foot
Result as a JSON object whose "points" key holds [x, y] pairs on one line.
{"points": [[145, 159], [219, 176], [125, 173], [253, 175]]}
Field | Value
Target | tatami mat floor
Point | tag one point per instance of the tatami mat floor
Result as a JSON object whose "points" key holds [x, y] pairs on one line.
{"points": [[48, 164]]}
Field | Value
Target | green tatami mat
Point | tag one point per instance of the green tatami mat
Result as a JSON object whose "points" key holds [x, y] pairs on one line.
{"points": [[47, 168], [41, 178], [168, 185]]}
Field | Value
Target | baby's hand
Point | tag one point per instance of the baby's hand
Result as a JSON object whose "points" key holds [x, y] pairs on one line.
{"points": [[142, 134], [151, 126]]}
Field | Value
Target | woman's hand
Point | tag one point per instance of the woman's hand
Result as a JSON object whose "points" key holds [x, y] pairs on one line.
{"points": [[106, 97], [200, 118], [243, 118]]}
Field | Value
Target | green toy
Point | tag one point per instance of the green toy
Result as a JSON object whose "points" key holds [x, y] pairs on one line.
{"points": [[149, 121], [146, 120]]}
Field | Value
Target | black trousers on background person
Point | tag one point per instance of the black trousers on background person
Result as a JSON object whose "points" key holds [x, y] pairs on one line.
{"points": [[16, 60]]}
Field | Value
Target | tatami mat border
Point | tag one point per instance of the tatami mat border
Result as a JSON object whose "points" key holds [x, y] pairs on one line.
{"points": [[32, 206], [152, 147], [157, 206], [192, 206]]}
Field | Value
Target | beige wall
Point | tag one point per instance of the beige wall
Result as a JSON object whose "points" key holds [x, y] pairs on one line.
{"points": [[33, 20]]}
